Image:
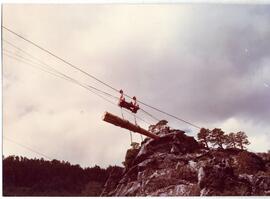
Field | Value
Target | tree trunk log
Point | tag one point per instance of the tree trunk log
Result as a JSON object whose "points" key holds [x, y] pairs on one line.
{"points": [[117, 121]]}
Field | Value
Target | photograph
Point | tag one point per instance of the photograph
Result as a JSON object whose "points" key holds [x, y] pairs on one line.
{"points": [[135, 98]]}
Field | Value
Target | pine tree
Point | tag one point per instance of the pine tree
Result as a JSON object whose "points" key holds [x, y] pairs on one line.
{"points": [[204, 137], [230, 140], [217, 137], [241, 140]]}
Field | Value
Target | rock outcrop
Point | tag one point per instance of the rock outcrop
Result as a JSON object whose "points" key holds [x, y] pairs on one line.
{"points": [[176, 165]]}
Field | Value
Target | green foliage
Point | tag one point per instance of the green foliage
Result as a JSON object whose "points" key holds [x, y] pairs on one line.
{"points": [[92, 188], [39, 177], [204, 137], [230, 140], [241, 139], [217, 137]]}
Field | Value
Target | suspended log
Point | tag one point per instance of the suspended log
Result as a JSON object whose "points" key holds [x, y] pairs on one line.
{"points": [[117, 121]]}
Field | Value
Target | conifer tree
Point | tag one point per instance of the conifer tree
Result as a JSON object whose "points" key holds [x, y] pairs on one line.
{"points": [[217, 137], [204, 137], [241, 140], [230, 140]]}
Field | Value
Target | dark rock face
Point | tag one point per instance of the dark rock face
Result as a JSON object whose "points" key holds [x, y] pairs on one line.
{"points": [[176, 165]]}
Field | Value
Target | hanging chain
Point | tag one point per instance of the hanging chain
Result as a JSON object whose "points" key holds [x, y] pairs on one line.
{"points": [[129, 130], [137, 125]]}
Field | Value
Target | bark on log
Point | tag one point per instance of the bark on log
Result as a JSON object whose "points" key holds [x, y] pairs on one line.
{"points": [[117, 121]]}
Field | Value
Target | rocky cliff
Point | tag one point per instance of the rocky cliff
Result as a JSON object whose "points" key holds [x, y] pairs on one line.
{"points": [[176, 165]]}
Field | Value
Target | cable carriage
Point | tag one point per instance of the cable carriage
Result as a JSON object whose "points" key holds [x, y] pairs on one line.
{"points": [[108, 117], [133, 106]]}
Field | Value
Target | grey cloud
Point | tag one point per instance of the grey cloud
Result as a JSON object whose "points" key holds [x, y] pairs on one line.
{"points": [[207, 74], [204, 63]]}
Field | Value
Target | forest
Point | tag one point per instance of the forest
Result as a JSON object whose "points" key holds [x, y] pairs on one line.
{"points": [[39, 177]]}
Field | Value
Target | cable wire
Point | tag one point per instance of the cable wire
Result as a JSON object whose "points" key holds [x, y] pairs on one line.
{"points": [[67, 78], [89, 75], [46, 65], [28, 148], [54, 55], [130, 133], [156, 119]]}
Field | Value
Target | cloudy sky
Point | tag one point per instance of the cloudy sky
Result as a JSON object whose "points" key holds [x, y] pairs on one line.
{"points": [[208, 64]]}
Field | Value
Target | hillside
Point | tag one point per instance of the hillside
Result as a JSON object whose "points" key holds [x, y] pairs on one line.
{"points": [[177, 165], [173, 165], [39, 177]]}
